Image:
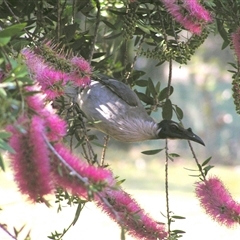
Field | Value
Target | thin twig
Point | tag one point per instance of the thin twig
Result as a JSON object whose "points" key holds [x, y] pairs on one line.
{"points": [[166, 153], [106, 139], [127, 75], [166, 187], [82, 179], [95, 31], [169, 78], [196, 160], [17, 18], [2, 226], [90, 156]]}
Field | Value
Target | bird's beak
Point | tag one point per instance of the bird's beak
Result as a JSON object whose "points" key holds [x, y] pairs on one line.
{"points": [[189, 135]]}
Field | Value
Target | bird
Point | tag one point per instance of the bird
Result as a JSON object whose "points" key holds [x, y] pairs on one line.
{"points": [[112, 107]]}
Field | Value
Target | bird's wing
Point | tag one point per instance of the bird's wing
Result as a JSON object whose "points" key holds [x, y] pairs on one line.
{"points": [[121, 90]]}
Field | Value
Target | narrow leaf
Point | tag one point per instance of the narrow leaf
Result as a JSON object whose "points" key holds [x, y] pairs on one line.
{"points": [[78, 211], [151, 87], [179, 112], [145, 98], [173, 155], [178, 231], [12, 30], [206, 161], [178, 217], [141, 83], [152, 152], [167, 110], [164, 93], [109, 24], [2, 166]]}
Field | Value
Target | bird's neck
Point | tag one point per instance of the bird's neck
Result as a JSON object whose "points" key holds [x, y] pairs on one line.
{"points": [[136, 130]]}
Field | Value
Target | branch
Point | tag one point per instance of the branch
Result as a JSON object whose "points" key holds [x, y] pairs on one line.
{"points": [[95, 30], [82, 179], [166, 153]]}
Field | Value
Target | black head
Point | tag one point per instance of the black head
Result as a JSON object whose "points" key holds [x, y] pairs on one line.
{"points": [[172, 130]]}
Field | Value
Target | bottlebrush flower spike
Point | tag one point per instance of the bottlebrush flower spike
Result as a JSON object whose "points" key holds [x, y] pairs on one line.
{"points": [[81, 71], [236, 42], [51, 81], [30, 161], [218, 202], [131, 216], [66, 178], [198, 11], [56, 128], [81, 64], [186, 21], [56, 71]]}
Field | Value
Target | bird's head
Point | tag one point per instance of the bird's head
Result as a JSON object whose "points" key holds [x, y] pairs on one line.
{"points": [[172, 130]]}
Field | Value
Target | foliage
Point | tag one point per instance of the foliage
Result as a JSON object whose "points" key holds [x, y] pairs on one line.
{"points": [[111, 35]]}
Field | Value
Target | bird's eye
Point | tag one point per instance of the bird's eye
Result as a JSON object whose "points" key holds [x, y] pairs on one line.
{"points": [[174, 127]]}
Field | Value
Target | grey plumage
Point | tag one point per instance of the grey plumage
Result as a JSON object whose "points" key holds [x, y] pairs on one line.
{"points": [[117, 111]]}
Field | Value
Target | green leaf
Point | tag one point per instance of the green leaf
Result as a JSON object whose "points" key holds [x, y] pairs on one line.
{"points": [[178, 217], [109, 24], [164, 93], [167, 110], [4, 41], [120, 182], [141, 83], [152, 152], [223, 33], [143, 97], [151, 87], [70, 30], [5, 146], [179, 112], [207, 168], [98, 55], [20, 71], [206, 161], [144, 29], [178, 231], [78, 211], [5, 135], [173, 155], [158, 85], [112, 36], [12, 30], [3, 93], [2, 163]]}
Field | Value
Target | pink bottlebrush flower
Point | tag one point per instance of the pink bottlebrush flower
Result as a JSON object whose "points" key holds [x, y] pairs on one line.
{"points": [[66, 179], [218, 202], [80, 76], [131, 216], [30, 162], [35, 102], [56, 128], [48, 77], [81, 64], [51, 81], [198, 11], [186, 21], [78, 80], [236, 42]]}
